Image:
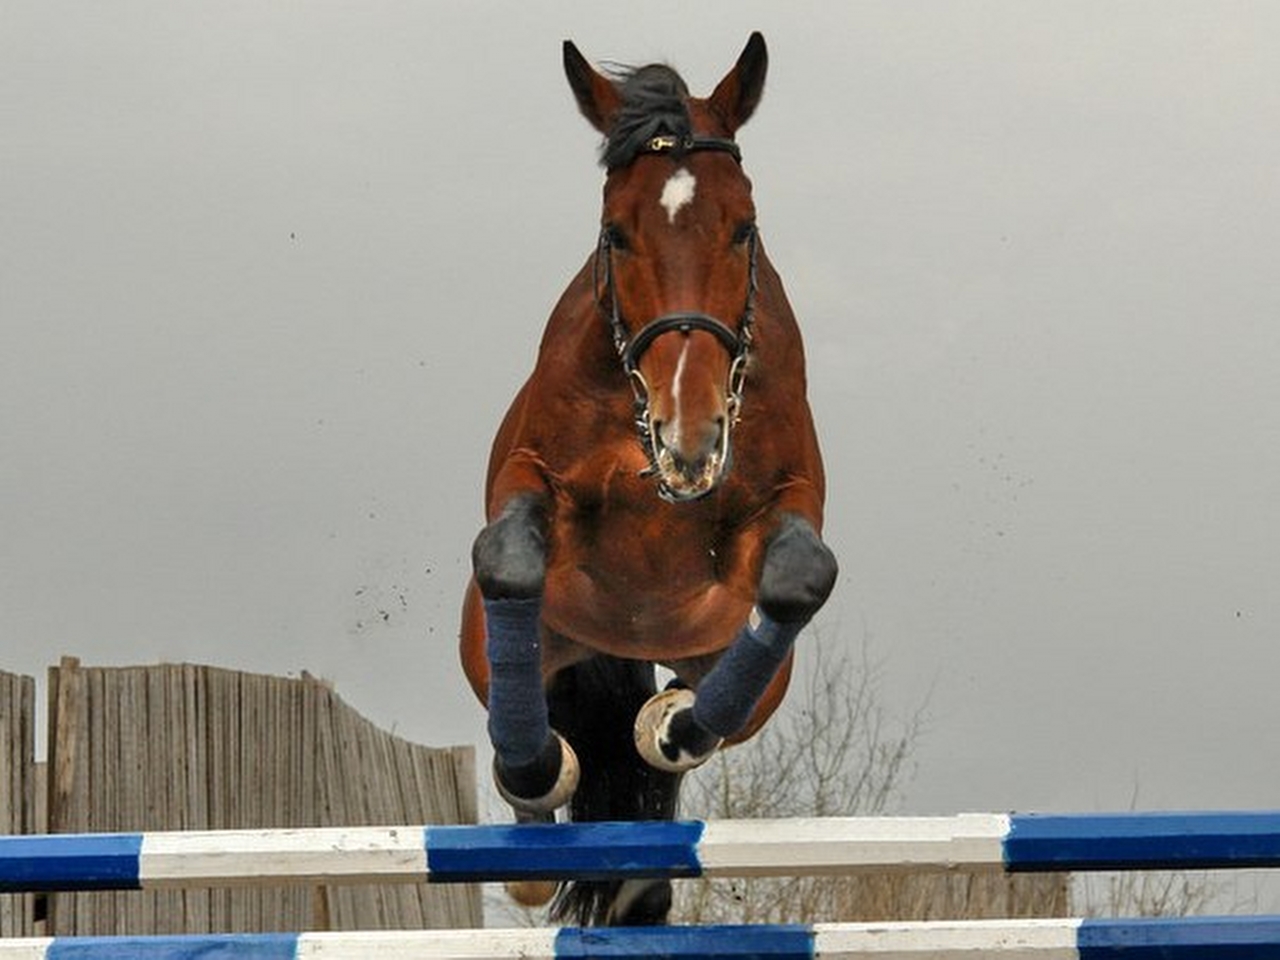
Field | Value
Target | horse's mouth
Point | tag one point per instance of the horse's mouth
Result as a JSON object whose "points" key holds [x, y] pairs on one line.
{"points": [[681, 480]]}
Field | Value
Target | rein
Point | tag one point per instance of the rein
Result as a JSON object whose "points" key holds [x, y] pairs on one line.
{"points": [[737, 342]]}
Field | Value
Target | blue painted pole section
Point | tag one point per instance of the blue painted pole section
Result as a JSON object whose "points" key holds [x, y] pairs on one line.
{"points": [[1142, 841], [107, 861], [581, 851], [258, 946], [775, 942], [1180, 938]]}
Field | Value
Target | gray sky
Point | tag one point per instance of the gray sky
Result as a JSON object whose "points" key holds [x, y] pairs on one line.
{"points": [[270, 273]]}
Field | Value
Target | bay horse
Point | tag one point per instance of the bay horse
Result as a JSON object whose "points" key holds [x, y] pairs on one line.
{"points": [[655, 491]]}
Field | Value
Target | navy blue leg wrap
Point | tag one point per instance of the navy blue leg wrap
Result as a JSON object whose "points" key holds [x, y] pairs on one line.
{"points": [[729, 693], [518, 725]]}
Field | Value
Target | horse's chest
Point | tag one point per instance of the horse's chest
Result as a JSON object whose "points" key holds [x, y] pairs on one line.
{"points": [[640, 585], [636, 551], [630, 573]]}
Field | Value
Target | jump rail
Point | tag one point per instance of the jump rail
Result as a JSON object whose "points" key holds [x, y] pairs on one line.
{"points": [[1231, 938], [727, 848]]}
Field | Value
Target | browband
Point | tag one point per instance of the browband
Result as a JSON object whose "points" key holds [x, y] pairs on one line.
{"points": [[669, 143]]}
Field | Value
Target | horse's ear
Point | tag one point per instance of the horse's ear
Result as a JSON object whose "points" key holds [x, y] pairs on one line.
{"points": [[738, 94], [597, 97]]}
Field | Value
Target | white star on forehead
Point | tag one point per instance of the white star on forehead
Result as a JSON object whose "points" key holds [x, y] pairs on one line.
{"points": [[677, 193]]}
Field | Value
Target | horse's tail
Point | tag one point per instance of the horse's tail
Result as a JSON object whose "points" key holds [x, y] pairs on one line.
{"points": [[593, 704]]}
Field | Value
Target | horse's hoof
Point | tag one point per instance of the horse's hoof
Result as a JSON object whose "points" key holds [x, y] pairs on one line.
{"points": [[659, 725], [560, 792], [532, 893]]}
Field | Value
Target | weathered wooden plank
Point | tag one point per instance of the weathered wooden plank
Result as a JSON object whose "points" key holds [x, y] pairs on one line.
{"points": [[17, 786], [199, 748]]}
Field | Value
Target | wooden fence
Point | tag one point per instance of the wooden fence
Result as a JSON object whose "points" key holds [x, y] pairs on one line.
{"points": [[17, 786], [184, 747]]}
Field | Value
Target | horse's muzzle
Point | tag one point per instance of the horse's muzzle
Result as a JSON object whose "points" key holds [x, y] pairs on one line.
{"points": [[690, 467]]}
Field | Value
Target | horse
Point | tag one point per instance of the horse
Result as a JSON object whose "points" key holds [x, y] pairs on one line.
{"points": [[655, 492]]}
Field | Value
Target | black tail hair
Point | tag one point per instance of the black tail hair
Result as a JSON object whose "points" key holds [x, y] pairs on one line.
{"points": [[593, 704]]}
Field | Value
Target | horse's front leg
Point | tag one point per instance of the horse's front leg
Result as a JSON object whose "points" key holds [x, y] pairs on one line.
{"points": [[679, 729], [535, 770]]}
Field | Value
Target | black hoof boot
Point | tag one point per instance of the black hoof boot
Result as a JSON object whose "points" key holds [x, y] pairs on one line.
{"points": [[640, 903], [543, 785]]}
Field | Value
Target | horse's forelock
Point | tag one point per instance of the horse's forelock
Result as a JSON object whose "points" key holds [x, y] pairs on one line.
{"points": [[654, 101]]}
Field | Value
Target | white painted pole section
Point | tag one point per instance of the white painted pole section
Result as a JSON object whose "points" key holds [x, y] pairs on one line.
{"points": [[842, 845], [257, 857], [26, 948], [930, 940], [532, 944]]}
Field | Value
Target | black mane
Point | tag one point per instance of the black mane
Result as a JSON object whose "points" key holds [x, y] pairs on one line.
{"points": [[653, 102]]}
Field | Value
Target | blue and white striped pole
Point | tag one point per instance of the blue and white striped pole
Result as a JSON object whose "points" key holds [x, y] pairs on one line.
{"points": [[796, 847], [1226, 938]]}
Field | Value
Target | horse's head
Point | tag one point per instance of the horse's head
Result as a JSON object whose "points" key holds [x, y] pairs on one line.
{"points": [[675, 270]]}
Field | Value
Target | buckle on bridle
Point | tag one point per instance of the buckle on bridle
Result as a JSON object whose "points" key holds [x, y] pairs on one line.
{"points": [[668, 143], [662, 143]]}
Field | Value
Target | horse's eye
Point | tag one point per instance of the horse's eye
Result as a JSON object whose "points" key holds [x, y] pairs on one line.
{"points": [[615, 237], [746, 230]]}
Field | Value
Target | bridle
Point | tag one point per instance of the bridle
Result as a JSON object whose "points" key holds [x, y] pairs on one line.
{"points": [[631, 348]]}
